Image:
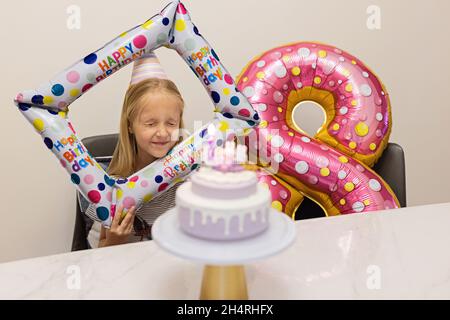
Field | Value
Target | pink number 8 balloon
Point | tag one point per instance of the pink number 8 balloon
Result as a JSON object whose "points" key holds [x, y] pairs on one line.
{"points": [[333, 167]]}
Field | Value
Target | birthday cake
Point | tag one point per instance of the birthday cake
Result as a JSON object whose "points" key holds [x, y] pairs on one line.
{"points": [[222, 200]]}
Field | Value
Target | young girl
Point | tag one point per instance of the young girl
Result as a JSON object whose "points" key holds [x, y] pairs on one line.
{"points": [[149, 128]]}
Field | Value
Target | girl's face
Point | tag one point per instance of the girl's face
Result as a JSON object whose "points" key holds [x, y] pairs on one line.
{"points": [[155, 127]]}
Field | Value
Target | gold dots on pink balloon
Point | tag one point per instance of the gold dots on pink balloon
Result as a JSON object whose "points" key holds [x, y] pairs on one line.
{"points": [[349, 186], [361, 129], [317, 80], [295, 71], [322, 53], [352, 145], [263, 124], [349, 87], [325, 172], [372, 146], [343, 159]]}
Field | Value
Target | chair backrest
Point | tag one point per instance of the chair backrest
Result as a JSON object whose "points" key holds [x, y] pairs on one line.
{"points": [[390, 166]]}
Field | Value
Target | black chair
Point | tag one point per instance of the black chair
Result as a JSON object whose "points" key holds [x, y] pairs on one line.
{"points": [[391, 167]]}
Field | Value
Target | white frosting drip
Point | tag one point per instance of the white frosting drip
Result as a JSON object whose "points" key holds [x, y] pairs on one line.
{"points": [[215, 216]]}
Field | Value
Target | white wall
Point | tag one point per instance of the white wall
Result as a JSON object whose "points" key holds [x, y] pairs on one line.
{"points": [[410, 53]]}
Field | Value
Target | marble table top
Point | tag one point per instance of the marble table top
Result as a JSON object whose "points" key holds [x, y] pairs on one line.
{"points": [[391, 254]]}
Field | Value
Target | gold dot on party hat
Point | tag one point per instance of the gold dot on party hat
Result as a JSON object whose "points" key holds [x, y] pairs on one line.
{"points": [[336, 126], [317, 80], [322, 53], [352, 144], [260, 75], [342, 202], [372, 146]]}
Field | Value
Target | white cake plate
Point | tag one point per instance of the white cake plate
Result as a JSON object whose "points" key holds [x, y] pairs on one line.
{"points": [[167, 233]]}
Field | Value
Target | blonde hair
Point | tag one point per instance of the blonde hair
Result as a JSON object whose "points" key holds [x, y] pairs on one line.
{"points": [[124, 158]]}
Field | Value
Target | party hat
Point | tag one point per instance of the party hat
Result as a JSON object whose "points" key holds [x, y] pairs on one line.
{"points": [[147, 67]]}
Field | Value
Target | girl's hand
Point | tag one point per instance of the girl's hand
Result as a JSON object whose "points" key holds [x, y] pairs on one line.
{"points": [[120, 229]]}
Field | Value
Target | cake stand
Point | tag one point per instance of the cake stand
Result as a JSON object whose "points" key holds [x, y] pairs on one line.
{"points": [[224, 274]]}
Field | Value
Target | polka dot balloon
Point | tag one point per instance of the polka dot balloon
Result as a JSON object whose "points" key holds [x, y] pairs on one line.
{"points": [[46, 109]]}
